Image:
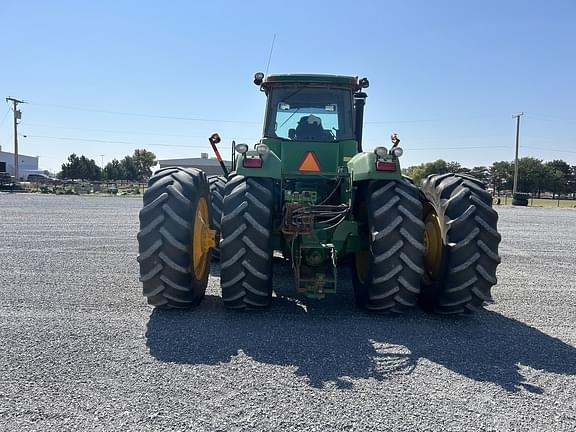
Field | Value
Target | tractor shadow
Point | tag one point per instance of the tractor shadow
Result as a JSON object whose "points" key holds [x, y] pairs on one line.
{"points": [[331, 341]]}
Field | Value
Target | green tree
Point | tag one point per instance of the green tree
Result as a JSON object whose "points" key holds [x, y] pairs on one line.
{"points": [[440, 166], [70, 169], [129, 169], [80, 168], [572, 181], [455, 167], [561, 166], [531, 175], [89, 169], [114, 170], [554, 180], [534, 175], [482, 173], [143, 161], [501, 176], [558, 174]]}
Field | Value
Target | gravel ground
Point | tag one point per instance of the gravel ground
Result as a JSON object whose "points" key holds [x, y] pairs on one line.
{"points": [[82, 350]]}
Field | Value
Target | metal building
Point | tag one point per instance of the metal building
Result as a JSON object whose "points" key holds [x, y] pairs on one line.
{"points": [[26, 164], [209, 166]]}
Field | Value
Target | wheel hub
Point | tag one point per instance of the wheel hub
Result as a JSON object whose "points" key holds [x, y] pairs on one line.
{"points": [[203, 239], [432, 244]]}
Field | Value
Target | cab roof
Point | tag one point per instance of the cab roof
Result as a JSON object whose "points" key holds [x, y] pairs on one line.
{"points": [[311, 79]]}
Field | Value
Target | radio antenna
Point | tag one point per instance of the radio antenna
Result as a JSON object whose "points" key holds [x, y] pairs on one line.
{"points": [[270, 55]]}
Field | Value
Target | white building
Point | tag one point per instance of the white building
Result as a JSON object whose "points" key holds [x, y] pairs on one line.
{"points": [[26, 165], [209, 166]]}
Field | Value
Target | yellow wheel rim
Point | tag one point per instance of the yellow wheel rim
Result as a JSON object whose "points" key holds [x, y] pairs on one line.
{"points": [[362, 265], [203, 238], [432, 243]]}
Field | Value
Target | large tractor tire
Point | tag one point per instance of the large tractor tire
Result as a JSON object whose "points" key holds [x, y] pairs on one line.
{"points": [[520, 199], [217, 184], [461, 241], [246, 243], [175, 239], [387, 276]]}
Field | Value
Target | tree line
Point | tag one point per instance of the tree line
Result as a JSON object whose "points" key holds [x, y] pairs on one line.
{"points": [[534, 175], [136, 167]]}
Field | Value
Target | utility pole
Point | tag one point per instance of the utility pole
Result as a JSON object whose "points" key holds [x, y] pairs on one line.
{"points": [[17, 116], [102, 162], [515, 187]]}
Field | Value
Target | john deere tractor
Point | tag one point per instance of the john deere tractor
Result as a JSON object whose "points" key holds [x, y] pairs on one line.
{"points": [[308, 192]]}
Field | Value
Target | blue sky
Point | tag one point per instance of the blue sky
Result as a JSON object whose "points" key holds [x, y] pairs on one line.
{"points": [[446, 75]]}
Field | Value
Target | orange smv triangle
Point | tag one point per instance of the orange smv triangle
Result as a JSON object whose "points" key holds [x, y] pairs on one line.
{"points": [[309, 163]]}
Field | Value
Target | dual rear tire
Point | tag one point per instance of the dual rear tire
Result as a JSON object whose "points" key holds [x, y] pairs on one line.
{"points": [[174, 238], [387, 275], [246, 243], [182, 212], [217, 185], [461, 239], [438, 247]]}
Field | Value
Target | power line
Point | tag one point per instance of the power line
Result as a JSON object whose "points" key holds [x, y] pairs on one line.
{"points": [[5, 116], [402, 121], [202, 146], [551, 118], [131, 114], [111, 131], [455, 148], [212, 120], [436, 120], [550, 149], [443, 138], [111, 141]]}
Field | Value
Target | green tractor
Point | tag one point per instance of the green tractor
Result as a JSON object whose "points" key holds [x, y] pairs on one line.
{"points": [[308, 192]]}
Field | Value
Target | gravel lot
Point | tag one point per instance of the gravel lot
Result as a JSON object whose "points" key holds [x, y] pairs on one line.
{"points": [[82, 350]]}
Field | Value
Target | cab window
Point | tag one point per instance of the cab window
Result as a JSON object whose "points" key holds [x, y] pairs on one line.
{"points": [[309, 114]]}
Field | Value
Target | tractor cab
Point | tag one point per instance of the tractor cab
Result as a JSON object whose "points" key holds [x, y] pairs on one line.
{"points": [[312, 127], [317, 108]]}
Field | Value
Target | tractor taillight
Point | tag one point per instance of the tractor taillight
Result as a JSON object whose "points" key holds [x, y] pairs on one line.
{"points": [[252, 162], [385, 166]]}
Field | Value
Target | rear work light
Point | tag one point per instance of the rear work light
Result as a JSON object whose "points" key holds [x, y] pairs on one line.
{"points": [[252, 162], [241, 148], [385, 166], [262, 149], [381, 151]]}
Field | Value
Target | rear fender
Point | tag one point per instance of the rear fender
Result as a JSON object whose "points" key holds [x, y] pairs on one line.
{"points": [[363, 167], [271, 165]]}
